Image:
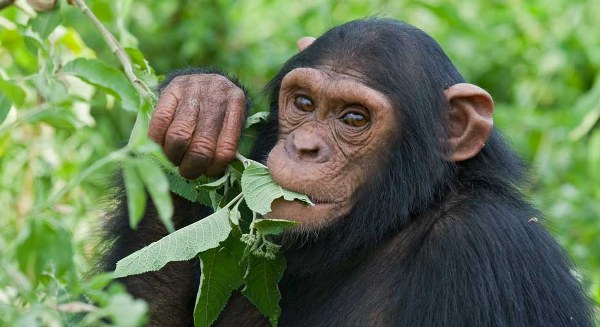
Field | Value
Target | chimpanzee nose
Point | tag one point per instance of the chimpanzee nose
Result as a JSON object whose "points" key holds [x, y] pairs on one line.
{"points": [[307, 146]]}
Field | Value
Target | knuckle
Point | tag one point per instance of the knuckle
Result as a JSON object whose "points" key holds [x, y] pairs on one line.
{"points": [[174, 87], [222, 83], [156, 134], [220, 80], [191, 104], [191, 82], [160, 118], [179, 133], [239, 97], [168, 97], [236, 101], [181, 79], [226, 152], [202, 149], [215, 90], [178, 79]]}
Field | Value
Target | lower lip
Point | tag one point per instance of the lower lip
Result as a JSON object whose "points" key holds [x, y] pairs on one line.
{"points": [[299, 211], [319, 202]]}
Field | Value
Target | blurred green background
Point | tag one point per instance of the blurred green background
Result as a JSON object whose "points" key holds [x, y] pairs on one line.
{"points": [[539, 59]]}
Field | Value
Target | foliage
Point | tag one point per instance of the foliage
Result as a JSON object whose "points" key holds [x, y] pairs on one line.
{"points": [[67, 109], [231, 254]]}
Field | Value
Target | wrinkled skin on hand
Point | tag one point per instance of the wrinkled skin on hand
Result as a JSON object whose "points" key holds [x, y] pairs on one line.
{"points": [[198, 121]]}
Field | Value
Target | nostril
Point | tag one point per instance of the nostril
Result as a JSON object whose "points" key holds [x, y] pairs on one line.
{"points": [[307, 146], [309, 153]]}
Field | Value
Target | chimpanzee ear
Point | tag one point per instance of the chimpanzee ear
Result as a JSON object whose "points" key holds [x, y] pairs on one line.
{"points": [[471, 123], [304, 42]]}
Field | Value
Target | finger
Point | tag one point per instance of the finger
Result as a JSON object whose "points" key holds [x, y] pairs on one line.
{"points": [[202, 147], [162, 117], [179, 134], [304, 42], [229, 137]]}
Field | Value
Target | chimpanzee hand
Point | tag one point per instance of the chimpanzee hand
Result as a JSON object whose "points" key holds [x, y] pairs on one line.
{"points": [[198, 121]]}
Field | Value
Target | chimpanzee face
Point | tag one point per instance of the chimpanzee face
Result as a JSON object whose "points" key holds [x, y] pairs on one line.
{"points": [[333, 130]]}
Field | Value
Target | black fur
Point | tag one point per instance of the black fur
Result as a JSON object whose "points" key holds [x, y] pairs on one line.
{"points": [[430, 243]]}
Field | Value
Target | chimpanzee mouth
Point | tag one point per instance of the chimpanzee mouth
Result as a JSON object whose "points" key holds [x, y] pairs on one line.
{"points": [[317, 200]]}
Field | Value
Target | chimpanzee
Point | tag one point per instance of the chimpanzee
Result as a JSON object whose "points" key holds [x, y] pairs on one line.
{"points": [[418, 218]]}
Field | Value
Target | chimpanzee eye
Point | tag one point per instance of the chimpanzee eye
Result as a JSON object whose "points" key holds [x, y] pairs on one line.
{"points": [[355, 119], [303, 103]]}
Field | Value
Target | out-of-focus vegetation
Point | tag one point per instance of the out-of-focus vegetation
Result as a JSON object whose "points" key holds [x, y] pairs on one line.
{"points": [[539, 59]]}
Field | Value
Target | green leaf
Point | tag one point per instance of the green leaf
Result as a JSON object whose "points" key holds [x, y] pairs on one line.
{"points": [[138, 58], [107, 78], [183, 244], [14, 42], [235, 216], [216, 184], [189, 190], [5, 105], [273, 226], [45, 22], [34, 43], [136, 194], [99, 281], [139, 133], [261, 288], [44, 243], [53, 90], [183, 187], [147, 148], [221, 275], [215, 198], [256, 118], [260, 190], [58, 117], [126, 311], [13, 92], [158, 186]]}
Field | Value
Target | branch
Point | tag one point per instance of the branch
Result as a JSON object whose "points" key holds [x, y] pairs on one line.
{"points": [[116, 48]]}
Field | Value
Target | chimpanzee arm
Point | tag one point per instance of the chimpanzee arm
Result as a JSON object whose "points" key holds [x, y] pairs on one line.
{"points": [[171, 291]]}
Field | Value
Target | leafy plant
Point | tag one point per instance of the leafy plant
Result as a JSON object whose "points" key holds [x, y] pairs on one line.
{"points": [[231, 255]]}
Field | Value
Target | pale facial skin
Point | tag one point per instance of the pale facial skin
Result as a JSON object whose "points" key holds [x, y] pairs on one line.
{"points": [[332, 130]]}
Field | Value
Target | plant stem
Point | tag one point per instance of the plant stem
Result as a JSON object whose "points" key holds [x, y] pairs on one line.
{"points": [[116, 48], [238, 198], [243, 159]]}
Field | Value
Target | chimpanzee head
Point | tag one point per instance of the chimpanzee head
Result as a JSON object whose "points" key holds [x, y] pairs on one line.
{"points": [[372, 117]]}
